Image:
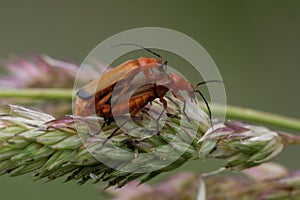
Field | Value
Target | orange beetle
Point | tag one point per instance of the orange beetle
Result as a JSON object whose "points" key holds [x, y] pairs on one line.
{"points": [[99, 90], [146, 93], [96, 95]]}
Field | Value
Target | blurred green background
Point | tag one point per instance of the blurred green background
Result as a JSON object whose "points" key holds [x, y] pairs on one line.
{"points": [[255, 44]]}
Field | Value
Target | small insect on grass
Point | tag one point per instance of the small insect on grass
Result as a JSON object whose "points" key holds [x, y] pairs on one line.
{"points": [[143, 94], [99, 91], [154, 85]]}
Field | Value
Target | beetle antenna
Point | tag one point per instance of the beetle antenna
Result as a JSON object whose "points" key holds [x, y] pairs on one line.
{"points": [[207, 105], [142, 47], [205, 82], [203, 97]]}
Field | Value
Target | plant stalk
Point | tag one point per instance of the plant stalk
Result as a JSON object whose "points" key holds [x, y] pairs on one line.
{"points": [[38, 93], [260, 117]]}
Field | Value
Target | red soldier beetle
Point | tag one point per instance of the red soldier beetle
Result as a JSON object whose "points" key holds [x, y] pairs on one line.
{"points": [[101, 88], [149, 92], [143, 94], [125, 71], [86, 105]]}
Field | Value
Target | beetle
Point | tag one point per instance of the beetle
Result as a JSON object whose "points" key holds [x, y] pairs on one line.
{"points": [[142, 94], [124, 73], [101, 88], [148, 92]]}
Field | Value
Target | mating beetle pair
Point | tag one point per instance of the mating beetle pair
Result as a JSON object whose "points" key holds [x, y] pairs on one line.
{"points": [[96, 96]]}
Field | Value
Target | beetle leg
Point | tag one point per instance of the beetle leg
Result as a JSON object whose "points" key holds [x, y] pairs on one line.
{"points": [[103, 108], [165, 105], [107, 121], [114, 133], [178, 96]]}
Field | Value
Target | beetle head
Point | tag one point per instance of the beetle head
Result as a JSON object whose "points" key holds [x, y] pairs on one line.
{"points": [[179, 83]]}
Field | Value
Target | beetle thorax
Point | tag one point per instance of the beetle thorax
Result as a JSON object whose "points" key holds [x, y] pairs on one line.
{"points": [[146, 61]]}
